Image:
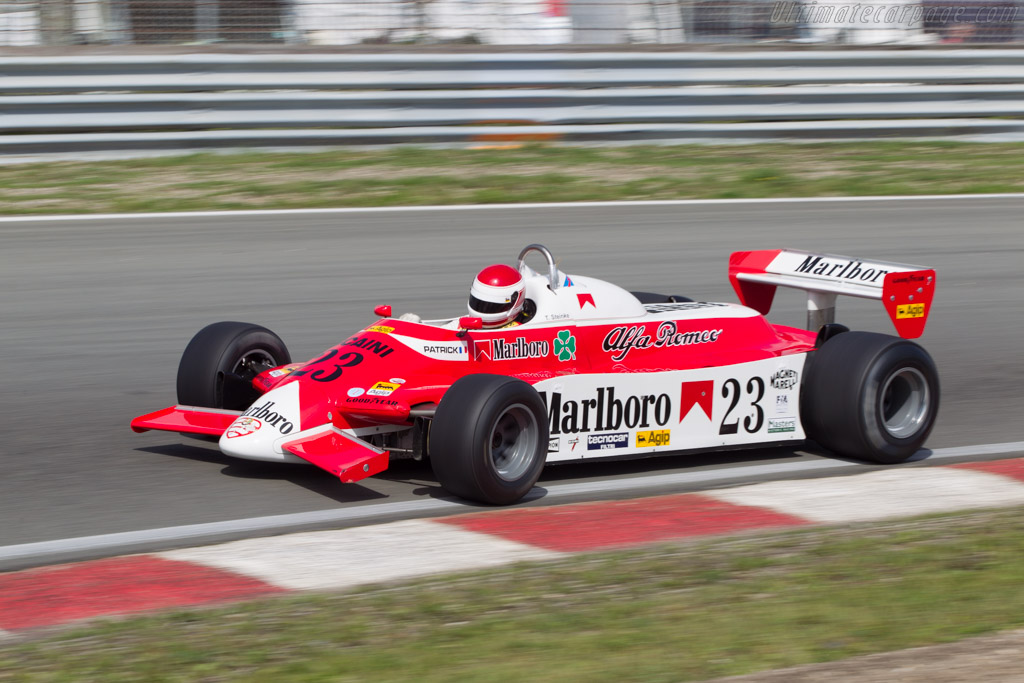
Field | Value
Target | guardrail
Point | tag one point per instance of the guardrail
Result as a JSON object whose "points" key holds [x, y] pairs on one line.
{"points": [[229, 100]]}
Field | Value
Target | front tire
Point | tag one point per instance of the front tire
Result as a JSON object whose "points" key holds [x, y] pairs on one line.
{"points": [[870, 396], [219, 364], [489, 439]]}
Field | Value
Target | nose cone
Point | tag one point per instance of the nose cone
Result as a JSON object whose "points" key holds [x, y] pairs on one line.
{"points": [[253, 433]]}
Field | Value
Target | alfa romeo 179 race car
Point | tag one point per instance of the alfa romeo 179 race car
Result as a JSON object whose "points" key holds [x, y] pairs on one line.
{"points": [[595, 372]]}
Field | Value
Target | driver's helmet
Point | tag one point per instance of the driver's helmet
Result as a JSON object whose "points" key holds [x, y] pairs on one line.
{"points": [[497, 295]]}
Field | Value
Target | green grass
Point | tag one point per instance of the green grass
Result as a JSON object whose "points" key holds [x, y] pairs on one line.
{"points": [[675, 612], [532, 173]]}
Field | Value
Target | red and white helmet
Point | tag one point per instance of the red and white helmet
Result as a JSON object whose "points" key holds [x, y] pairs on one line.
{"points": [[497, 295]]}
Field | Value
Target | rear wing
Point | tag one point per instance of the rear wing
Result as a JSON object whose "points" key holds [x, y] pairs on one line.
{"points": [[906, 291]]}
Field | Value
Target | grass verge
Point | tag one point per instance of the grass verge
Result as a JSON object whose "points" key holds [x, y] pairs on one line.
{"points": [[418, 176], [686, 611]]}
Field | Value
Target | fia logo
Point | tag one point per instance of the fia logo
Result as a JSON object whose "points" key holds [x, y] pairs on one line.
{"points": [[782, 404]]}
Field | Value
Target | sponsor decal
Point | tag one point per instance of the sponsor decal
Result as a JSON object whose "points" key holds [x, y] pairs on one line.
{"points": [[345, 360], [383, 329], [373, 346], [700, 393], [623, 339], [382, 389], [909, 311], [572, 442], [445, 349], [482, 349], [557, 316], [584, 299], [243, 426], [777, 425], [565, 346], [519, 348], [438, 350], [657, 437], [554, 445], [606, 412], [784, 379], [910, 277], [568, 282], [782, 404], [356, 391], [266, 413], [397, 380], [281, 372], [682, 306], [371, 400], [842, 269], [604, 442]]}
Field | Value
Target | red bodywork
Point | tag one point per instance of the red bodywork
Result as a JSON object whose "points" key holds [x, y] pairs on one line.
{"points": [[395, 371]]}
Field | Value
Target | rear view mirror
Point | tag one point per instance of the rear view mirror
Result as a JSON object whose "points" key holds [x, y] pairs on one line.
{"points": [[383, 311], [467, 323]]}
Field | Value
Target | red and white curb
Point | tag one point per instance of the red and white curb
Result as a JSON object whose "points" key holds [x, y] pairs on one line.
{"points": [[330, 560]]}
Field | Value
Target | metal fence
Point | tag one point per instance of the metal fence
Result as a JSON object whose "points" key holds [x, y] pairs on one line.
{"points": [[196, 101], [507, 22]]}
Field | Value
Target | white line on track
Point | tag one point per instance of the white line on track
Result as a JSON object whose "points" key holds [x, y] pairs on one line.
{"points": [[367, 514], [502, 207]]}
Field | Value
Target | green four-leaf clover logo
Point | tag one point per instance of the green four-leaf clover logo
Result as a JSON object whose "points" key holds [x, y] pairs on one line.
{"points": [[565, 346]]}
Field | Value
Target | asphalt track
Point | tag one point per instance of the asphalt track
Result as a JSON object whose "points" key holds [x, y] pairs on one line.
{"points": [[95, 314]]}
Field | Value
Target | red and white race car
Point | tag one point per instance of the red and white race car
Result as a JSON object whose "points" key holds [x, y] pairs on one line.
{"points": [[597, 371]]}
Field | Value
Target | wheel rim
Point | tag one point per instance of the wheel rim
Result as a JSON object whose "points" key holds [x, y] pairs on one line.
{"points": [[905, 403], [513, 442]]}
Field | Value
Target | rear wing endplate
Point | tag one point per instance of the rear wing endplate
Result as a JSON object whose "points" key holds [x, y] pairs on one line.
{"points": [[906, 291]]}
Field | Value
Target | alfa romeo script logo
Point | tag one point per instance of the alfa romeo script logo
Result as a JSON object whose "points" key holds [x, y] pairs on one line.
{"points": [[565, 346]]}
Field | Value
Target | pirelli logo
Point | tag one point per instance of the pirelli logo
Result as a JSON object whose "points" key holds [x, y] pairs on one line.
{"points": [[909, 311], [656, 437]]}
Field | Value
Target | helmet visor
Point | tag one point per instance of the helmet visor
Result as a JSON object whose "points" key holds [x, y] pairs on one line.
{"points": [[481, 306]]}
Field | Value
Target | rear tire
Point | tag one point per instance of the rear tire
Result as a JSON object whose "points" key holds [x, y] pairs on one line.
{"points": [[870, 396], [219, 364], [489, 439]]}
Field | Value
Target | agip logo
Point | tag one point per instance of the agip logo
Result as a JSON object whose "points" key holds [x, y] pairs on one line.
{"points": [[904, 311], [656, 437], [382, 389]]}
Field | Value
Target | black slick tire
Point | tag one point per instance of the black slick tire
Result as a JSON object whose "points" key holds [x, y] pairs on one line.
{"points": [[219, 364], [870, 396], [489, 439]]}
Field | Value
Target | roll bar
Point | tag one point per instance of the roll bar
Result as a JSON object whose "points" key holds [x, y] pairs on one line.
{"points": [[541, 249]]}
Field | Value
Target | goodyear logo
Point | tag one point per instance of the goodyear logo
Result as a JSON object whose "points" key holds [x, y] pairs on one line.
{"points": [[382, 389], [656, 437], [383, 329], [909, 311]]}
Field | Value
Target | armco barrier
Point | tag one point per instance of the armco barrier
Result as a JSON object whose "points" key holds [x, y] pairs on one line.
{"points": [[258, 100]]}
